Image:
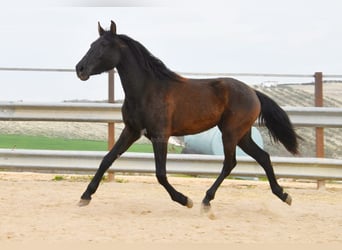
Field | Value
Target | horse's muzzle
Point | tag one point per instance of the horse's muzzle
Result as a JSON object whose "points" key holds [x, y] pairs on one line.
{"points": [[81, 72], [83, 77]]}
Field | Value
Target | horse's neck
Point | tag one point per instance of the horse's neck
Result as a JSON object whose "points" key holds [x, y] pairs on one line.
{"points": [[132, 76]]}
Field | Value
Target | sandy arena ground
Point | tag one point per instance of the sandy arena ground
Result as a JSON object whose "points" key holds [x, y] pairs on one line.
{"points": [[135, 209]]}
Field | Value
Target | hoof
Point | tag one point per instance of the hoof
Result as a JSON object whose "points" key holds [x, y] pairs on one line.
{"points": [[288, 200], [83, 203], [189, 203], [206, 209]]}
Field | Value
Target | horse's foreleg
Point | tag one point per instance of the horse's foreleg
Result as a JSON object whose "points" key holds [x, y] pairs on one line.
{"points": [[228, 165], [125, 140], [160, 152]]}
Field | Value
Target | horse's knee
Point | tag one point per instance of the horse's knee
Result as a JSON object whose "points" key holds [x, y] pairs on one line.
{"points": [[107, 161]]}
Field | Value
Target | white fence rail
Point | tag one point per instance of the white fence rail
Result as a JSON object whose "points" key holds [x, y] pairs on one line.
{"points": [[81, 161], [61, 161], [70, 112], [106, 112]]}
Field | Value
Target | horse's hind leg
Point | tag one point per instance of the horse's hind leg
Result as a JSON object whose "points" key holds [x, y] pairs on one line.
{"points": [[125, 140], [251, 148]]}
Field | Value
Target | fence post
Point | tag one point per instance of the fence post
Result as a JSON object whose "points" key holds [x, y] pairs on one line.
{"points": [[319, 130], [111, 125]]}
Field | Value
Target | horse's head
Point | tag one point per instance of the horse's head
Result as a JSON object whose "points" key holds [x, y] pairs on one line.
{"points": [[103, 55]]}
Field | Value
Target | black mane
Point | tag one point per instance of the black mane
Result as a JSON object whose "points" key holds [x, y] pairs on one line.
{"points": [[149, 62]]}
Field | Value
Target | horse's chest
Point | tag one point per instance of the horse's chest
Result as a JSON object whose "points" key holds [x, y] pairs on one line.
{"points": [[132, 116], [143, 115]]}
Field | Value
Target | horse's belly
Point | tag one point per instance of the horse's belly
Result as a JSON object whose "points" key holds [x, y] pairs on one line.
{"points": [[192, 123]]}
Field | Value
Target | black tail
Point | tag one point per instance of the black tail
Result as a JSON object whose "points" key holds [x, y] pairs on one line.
{"points": [[278, 123]]}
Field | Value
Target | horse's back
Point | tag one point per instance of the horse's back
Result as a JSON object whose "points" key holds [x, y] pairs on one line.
{"points": [[199, 104], [229, 93]]}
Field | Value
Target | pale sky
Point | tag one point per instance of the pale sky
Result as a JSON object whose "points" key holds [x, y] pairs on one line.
{"points": [[264, 36]]}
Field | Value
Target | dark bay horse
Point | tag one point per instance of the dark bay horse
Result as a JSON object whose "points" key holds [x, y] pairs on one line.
{"points": [[160, 103]]}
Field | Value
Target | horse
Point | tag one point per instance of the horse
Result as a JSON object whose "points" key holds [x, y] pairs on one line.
{"points": [[160, 103]]}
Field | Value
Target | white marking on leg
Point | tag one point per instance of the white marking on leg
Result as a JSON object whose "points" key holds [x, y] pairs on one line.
{"points": [[143, 131]]}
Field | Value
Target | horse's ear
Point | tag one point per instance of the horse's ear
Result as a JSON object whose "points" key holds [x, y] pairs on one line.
{"points": [[113, 27], [100, 29]]}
